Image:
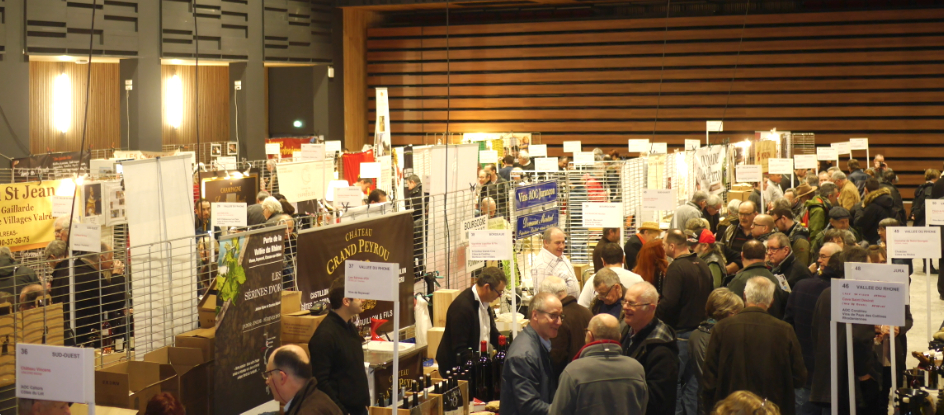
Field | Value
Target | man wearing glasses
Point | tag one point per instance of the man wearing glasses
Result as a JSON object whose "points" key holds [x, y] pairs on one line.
{"points": [[528, 379], [289, 380], [735, 236], [61, 228], [763, 226], [799, 235], [652, 343], [786, 267], [470, 320]]}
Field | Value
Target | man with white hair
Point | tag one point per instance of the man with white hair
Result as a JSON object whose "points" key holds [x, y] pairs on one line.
{"points": [[524, 161], [528, 379], [61, 228], [691, 209], [600, 375], [652, 343], [569, 338], [754, 345], [848, 192], [612, 256], [254, 215], [271, 208], [552, 262], [712, 212]]}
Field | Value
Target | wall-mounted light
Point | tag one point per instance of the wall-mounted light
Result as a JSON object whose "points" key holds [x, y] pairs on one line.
{"points": [[297, 124], [62, 103], [174, 101]]}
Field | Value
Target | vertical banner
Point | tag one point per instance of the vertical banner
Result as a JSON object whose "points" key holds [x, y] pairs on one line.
{"points": [[382, 124], [708, 165], [248, 326], [322, 252]]}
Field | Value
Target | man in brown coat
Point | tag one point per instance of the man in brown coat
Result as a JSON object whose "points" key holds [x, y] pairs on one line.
{"points": [[572, 332], [288, 376], [754, 351]]}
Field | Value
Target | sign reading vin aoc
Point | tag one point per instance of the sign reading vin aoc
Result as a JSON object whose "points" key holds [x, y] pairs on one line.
{"points": [[322, 253], [535, 195]]}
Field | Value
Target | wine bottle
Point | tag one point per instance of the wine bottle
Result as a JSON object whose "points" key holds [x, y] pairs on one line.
{"points": [[498, 363], [483, 374], [468, 370]]}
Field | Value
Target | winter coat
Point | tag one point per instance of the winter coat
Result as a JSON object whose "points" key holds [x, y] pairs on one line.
{"points": [[800, 242], [899, 212], [571, 335], [757, 352], [311, 401], [859, 178], [631, 251], [732, 252], [683, 213], [877, 205], [697, 346], [462, 330], [601, 380], [598, 254], [793, 270], [759, 269], [90, 290], [848, 195], [655, 348], [337, 362], [688, 283], [14, 276], [921, 194], [716, 264], [817, 215], [528, 379], [799, 314]]}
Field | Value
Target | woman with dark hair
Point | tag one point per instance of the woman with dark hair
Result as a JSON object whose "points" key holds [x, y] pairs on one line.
{"points": [[164, 404], [651, 264]]}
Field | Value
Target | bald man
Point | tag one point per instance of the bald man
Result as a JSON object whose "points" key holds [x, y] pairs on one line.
{"points": [[288, 377], [601, 375], [763, 227]]}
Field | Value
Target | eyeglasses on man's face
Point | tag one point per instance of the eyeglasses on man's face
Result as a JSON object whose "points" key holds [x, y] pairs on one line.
{"points": [[553, 317], [774, 249], [607, 293], [634, 305], [265, 375]]}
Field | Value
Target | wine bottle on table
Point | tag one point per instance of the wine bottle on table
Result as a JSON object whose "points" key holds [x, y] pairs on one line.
{"points": [[498, 363], [483, 373]]}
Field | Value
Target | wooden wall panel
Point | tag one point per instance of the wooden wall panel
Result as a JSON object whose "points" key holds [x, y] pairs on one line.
{"points": [[213, 104], [103, 113], [876, 74]]}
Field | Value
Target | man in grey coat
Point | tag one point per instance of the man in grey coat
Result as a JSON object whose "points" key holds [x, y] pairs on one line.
{"points": [[601, 379], [691, 209], [528, 380]]}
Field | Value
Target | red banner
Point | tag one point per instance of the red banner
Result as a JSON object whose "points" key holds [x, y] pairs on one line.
{"points": [[289, 145]]}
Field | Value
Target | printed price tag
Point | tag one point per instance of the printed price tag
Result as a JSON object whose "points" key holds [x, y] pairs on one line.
{"points": [[748, 173]]}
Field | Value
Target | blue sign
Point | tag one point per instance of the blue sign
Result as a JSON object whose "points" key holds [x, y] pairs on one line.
{"points": [[535, 195], [536, 223]]}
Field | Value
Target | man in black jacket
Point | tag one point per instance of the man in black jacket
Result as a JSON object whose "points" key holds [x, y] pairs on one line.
{"points": [[653, 344], [937, 192], [785, 265], [647, 232], [610, 235], [877, 204], [337, 356], [470, 320]]}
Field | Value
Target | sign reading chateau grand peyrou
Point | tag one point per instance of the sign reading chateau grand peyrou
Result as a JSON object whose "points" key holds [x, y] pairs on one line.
{"points": [[535, 195]]}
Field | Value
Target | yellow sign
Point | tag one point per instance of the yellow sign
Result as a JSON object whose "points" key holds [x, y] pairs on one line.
{"points": [[26, 213]]}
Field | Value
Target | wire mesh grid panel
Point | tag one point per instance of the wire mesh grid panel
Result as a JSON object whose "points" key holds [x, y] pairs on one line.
{"points": [[596, 183], [632, 183]]}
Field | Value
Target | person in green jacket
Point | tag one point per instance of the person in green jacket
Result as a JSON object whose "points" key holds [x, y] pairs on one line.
{"points": [[817, 208]]}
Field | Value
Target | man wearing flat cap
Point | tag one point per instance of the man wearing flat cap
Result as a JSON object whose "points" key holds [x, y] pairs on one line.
{"points": [[839, 218]]}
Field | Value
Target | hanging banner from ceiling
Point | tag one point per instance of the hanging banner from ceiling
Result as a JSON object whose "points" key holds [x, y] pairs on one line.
{"points": [[289, 145], [709, 162]]}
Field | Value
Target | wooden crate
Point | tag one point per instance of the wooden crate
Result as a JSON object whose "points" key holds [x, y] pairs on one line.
{"points": [[432, 406], [442, 299]]}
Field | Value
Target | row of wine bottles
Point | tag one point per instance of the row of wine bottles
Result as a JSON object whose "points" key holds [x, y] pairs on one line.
{"points": [[483, 372], [420, 390]]}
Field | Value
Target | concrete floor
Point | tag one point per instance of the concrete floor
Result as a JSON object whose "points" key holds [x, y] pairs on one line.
{"points": [[918, 335]]}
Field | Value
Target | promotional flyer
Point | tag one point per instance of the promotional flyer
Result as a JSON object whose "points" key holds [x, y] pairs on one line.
{"points": [[248, 321], [26, 212], [322, 252], [231, 190]]}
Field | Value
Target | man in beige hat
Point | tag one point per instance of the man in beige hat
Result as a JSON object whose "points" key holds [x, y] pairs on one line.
{"points": [[647, 232], [802, 193]]}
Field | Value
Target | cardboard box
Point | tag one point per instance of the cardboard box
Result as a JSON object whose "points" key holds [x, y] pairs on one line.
{"points": [[192, 376], [433, 338], [579, 269], [203, 339], [43, 325], [442, 299], [206, 310], [291, 302], [132, 384], [298, 327], [82, 409], [111, 359]]}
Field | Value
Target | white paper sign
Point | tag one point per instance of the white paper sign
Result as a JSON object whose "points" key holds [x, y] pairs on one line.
{"points": [[488, 156], [897, 273], [858, 143], [804, 161], [301, 181], [371, 280], [86, 237], [333, 146], [54, 373], [602, 215], [913, 242], [639, 145], [584, 157], [490, 245], [714, 125], [659, 148], [228, 214], [826, 153], [370, 170], [780, 166], [545, 164], [658, 199], [272, 148], [691, 145], [476, 223], [313, 152], [537, 150], [934, 211], [61, 206], [227, 163], [841, 148], [571, 146], [297, 155], [868, 302], [748, 173], [348, 196]]}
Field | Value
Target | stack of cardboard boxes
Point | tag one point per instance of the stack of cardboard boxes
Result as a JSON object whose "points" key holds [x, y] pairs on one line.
{"points": [[297, 326]]}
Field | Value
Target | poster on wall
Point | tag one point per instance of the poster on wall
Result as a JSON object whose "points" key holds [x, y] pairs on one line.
{"points": [[216, 149], [230, 190], [708, 168], [322, 252], [305, 180], [114, 203], [44, 163], [289, 145], [91, 198], [382, 124], [27, 217], [248, 320]]}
